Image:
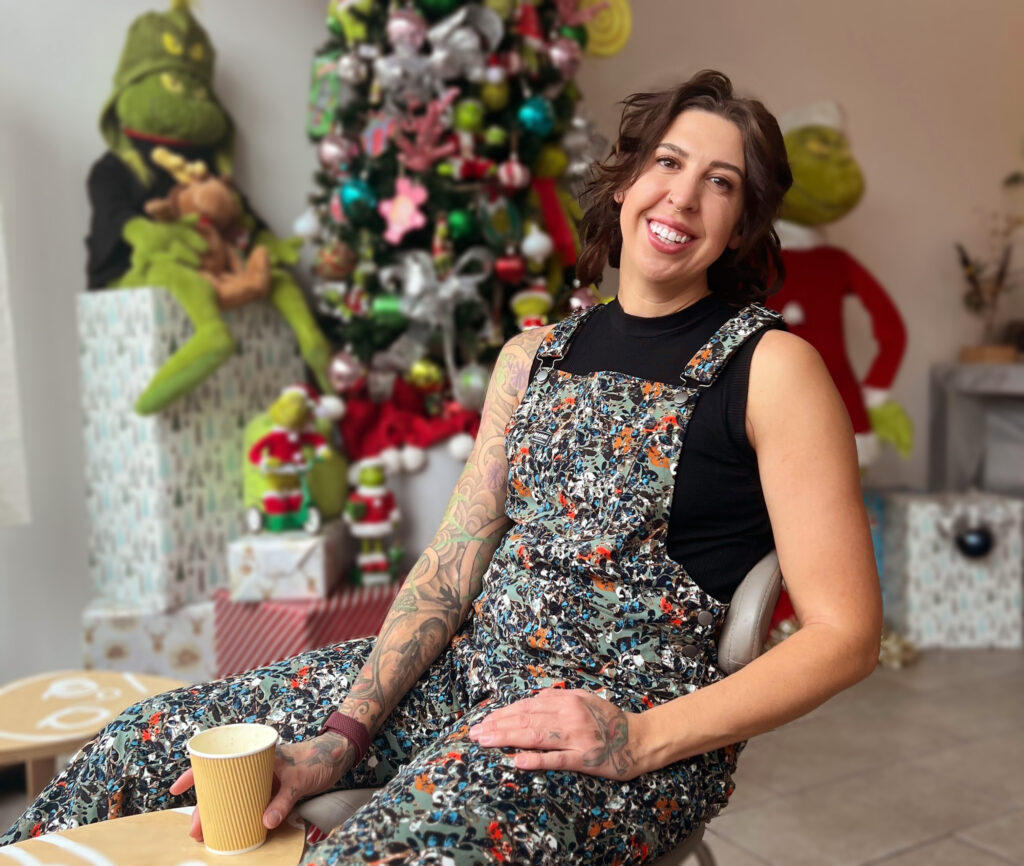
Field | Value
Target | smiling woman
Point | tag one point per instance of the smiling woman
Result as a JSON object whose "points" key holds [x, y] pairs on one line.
{"points": [[546, 686]]}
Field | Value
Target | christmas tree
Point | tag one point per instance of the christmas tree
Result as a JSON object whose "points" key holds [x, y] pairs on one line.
{"points": [[451, 152]]}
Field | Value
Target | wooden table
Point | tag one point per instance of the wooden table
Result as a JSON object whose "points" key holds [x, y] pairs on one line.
{"points": [[155, 839], [47, 715]]}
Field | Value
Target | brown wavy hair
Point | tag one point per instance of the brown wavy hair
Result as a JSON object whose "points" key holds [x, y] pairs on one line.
{"points": [[749, 273]]}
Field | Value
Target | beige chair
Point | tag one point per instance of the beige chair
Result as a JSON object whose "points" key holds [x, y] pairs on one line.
{"points": [[741, 641]]}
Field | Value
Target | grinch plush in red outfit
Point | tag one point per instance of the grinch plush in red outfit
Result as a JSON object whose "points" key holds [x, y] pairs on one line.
{"points": [[827, 184]]}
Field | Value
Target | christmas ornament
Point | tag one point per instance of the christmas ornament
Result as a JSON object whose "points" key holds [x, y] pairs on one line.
{"points": [[348, 18], [380, 127], [402, 211], [500, 222], [608, 31], [346, 372], [495, 136], [528, 24], [405, 77], [469, 115], [335, 153], [513, 175], [975, 542], [351, 69], [335, 261], [441, 247], [510, 269], [307, 225], [551, 161], [565, 55], [324, 94], [427, 377], [335, 210], [584, 145], [578, 34], [406, 28], [582, 298], [537, 245], [502, 8], [372, 516], [537, 115], [531, 307], [387, 310], [469, 386], [357, 198], [424, 150], [461, 224], [495, 94], [461, 42]]}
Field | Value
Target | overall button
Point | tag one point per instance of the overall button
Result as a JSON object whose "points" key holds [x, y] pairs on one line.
{"points": [[705, 617], [542, 375], [691, 651], [679, 398]]}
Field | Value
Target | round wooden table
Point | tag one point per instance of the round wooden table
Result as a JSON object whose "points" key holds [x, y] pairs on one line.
{"points": [[156, 839], [47, 715]]}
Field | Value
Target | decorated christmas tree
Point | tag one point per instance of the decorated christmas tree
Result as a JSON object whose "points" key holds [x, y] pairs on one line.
{"points": [[452, 151]]}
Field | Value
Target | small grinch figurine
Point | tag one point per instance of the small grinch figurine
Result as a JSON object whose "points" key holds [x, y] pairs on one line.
{"points": [[372, 515], [281, 455]]}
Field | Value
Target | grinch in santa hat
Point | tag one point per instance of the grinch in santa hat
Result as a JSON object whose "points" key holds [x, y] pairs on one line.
{"points": [[827, 185], [282, 457]]}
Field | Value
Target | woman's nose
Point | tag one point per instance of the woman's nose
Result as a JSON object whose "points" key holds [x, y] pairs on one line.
{"points": [[683, 193]]}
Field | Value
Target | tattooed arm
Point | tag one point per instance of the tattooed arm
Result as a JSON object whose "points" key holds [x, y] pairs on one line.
{"points": [[437, 594]]}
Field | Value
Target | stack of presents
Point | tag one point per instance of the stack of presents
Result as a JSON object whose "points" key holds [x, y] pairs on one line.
{"points": [[181, 587]]}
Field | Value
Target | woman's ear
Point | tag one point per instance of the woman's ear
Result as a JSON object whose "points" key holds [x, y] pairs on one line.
{"points": [[619, 195]]}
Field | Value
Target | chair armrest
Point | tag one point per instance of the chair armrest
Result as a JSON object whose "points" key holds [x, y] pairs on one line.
{"points": [[750, 611]]}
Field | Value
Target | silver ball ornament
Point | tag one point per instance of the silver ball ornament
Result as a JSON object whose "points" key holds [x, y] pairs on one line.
{"points": [[351, 69], [406, 28], [470, 386], [345, 372], [566, 55]]}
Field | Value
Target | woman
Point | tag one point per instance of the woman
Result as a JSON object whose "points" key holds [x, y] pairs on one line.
{"points": [[551, 625]]}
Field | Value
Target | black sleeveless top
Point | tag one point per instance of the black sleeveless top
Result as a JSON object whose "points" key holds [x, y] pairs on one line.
{"points": [[719, 527]]}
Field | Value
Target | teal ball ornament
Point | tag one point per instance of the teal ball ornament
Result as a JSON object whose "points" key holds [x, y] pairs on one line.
{"points": [[461, 224], [537, 115], [358, 199]]}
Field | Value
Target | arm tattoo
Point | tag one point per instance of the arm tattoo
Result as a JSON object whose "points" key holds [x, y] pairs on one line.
{"points": [[439, 591], [612, 733]]}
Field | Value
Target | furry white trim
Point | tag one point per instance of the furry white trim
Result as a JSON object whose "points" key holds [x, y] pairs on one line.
{"points": [[868, 449], [875, 397], [794, 236], [824, 113], [413, 458], [460, 446]]}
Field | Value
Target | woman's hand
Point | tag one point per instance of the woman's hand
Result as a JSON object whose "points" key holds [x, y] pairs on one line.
{"points": [[566, 730], [300, 770]]}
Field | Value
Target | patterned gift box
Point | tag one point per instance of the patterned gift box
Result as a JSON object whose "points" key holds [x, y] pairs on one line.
{"points": [[954, 569], [288, 566], [164, 493], [178, 644], [251, 634]]}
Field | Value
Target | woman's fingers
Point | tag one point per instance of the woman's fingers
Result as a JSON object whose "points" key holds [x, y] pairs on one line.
{"points": [[196, 830], [182, 783]]}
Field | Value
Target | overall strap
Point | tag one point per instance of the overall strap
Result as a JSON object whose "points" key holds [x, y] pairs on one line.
{"points": [[555, 344], [703, 368]]}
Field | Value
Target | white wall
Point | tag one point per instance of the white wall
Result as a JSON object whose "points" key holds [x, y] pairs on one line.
{"points": [[931, 89]]}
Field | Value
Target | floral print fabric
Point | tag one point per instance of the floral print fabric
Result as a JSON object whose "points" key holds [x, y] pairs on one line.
{"points": [[581, 593]]}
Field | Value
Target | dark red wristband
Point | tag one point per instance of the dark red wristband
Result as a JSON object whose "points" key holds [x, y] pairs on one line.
{"points": [[353, 731]]}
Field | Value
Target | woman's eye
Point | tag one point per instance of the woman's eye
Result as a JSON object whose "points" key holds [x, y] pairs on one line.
{"points": [[666, 162], [722, 182]]}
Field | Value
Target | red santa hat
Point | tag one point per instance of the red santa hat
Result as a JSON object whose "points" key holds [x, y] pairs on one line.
{"points": [[326, 406]]}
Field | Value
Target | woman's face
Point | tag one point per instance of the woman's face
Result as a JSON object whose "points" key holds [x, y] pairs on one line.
{"points": [[684, 209]]}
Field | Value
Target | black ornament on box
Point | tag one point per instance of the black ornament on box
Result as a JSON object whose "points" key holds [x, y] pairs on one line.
{"points": [[975, 542]]}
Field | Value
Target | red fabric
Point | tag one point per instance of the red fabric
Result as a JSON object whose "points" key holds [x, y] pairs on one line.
{"points": [[379, 506], [817, 281], [368, 428], [286, 446], [783, 610], [555, 220]]}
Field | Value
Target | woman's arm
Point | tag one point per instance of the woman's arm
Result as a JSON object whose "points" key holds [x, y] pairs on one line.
{"points": [[807, 460], [808, 464]]}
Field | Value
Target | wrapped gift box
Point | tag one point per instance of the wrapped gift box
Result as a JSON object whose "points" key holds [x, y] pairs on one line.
{"points": [[288, 566], [178, 644], [954, 569], [874, 504], [164, 492], [251, 634]]}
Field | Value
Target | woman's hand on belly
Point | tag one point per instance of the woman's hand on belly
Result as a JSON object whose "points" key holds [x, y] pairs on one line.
{"points": [[566, 729]]}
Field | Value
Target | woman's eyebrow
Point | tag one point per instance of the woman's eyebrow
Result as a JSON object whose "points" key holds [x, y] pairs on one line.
{"points": [[714, 164]]}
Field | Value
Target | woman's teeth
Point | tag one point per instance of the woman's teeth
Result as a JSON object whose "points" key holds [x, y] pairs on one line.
{"points": [[667, 234]]}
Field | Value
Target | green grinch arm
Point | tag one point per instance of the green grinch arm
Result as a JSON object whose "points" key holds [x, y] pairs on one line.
{"points": [[287, 297], [283, 251], [891, 423], [154, 243], [209, 346]]}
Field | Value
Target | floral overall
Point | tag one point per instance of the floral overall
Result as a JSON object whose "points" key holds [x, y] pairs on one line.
{"points": [[581, 593]]}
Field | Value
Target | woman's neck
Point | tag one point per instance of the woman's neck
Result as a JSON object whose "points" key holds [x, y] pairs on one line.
{"points": [[650, 301]]}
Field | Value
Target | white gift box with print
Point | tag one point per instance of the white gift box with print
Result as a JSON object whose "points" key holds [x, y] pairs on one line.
{"points": [[954, 569], [179, 644], [288, 565], [164, 492]]}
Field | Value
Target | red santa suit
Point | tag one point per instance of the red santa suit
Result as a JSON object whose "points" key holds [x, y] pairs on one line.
{"points": [[818, 279], [286, 446], [380, 515]]}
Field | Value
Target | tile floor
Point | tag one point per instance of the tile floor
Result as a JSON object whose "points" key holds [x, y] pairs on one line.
{"points": [[919, 767]]}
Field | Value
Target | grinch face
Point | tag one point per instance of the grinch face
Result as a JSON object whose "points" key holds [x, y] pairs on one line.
{"points": [[174, 105], [290, 410], [371, 476], [827, 183]]}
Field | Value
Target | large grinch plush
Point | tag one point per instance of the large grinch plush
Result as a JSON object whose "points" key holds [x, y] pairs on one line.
{"points": [[827, 184], [163, 98]]}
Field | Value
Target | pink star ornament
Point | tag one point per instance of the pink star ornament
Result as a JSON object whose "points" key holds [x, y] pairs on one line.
{"points": [[402, 212]]}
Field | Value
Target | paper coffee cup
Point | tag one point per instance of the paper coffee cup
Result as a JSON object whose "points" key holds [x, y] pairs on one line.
{"points": [[234, 770]]}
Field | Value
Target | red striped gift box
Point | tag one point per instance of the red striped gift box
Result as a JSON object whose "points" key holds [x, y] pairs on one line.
{"points": [[250, 634]]}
